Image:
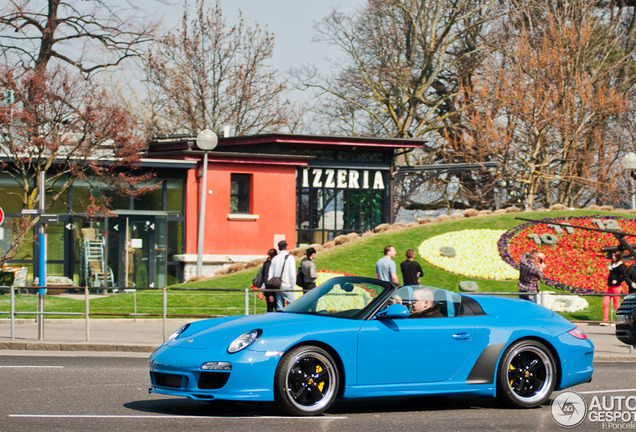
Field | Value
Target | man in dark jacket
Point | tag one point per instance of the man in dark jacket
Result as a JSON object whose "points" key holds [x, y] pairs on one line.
{"points": [[308, 269]]}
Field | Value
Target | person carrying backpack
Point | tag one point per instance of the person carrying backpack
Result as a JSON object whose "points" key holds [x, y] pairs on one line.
{"points": [[259, 281], [306, 276]]}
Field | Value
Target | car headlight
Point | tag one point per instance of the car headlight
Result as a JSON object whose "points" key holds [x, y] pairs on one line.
{"points": [[244, 340], [177, 333]]}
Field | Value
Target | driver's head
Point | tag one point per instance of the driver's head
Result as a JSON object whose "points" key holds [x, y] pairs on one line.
{"points": [[422, 299]]}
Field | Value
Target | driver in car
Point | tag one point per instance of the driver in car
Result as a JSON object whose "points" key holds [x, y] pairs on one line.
{"points": [[423, 305]]}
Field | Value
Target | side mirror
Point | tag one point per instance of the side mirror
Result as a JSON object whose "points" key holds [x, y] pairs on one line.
{"points": [[395, 311]]}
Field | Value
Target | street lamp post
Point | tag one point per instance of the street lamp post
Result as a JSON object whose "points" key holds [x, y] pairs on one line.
{"points": [[206, 141], [629, 160]]}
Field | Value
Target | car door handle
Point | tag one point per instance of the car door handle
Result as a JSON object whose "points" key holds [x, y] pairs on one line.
{"points": [[462, 336]]}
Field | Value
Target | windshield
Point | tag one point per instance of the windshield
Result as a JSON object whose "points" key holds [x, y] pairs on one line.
{"points": [[343, 297]]}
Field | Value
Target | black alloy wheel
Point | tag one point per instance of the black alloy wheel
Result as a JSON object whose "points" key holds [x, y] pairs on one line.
{"points": [[526, 375], [306, 381]]}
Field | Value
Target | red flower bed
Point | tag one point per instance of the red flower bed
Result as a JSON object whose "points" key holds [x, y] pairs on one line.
{"points": [[576, 262]]}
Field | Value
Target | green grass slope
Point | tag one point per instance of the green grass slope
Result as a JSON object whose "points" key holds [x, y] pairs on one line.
{"points": [[359, 256]]}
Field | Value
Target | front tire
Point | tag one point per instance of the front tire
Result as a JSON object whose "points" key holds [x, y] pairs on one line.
{"points": [[306, 381], [526, 375]]}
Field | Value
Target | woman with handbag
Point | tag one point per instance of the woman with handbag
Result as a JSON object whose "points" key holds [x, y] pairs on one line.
{"points": [[270, 296]]}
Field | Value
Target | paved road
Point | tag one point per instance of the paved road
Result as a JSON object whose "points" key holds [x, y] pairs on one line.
{"points": [[87, 391]]}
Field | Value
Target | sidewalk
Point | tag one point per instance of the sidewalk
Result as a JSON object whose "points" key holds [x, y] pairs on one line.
{"points": [[145, 335], [123, 335]]}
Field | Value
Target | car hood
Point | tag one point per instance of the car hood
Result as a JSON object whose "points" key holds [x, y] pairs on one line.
{"points": [[281, 327]]}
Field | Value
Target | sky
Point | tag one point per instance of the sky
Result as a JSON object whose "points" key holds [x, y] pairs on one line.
{"points": [[291, 22]]}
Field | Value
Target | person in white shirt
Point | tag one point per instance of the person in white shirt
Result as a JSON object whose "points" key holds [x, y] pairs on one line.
{"points": [[283, 266]]}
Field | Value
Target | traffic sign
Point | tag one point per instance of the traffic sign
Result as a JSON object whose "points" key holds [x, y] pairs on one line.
{"points": [[49, 218], [1, 215]]}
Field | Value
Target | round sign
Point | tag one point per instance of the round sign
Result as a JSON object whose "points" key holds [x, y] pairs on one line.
{"points": [[1, 215], [568, 409]]}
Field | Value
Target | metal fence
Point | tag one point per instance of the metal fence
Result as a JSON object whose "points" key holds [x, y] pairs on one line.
{"points": [[250, 302]]}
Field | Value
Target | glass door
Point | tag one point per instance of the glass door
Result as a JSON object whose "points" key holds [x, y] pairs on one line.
{"points": [[142, 259], [137, 261]]}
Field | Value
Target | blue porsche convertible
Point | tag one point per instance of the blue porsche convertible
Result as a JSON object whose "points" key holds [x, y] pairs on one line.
{"points": [[355, 337]]}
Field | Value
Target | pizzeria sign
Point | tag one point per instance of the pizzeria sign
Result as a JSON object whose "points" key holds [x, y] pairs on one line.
{"points": [[342, 178]]}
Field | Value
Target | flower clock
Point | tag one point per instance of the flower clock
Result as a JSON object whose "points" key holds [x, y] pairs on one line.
{"points": [[574, 258]]}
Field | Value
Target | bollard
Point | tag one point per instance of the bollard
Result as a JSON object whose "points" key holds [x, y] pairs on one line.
{"points": [[87, 327], [247, 301], [12, 291], [165, 313]]}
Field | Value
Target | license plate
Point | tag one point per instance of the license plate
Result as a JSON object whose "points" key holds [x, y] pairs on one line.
{"points": [[621, 319]]}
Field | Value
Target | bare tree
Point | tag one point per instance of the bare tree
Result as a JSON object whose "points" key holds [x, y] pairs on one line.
{"points": [[549, 100], [62, 124], [210, 74], [88, 35], [404, 62]]}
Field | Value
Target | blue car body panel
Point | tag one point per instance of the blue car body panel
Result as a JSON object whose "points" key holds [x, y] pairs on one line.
{"points": [[376, 357]]}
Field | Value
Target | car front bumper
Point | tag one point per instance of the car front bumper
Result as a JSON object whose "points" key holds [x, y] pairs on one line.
{"points": [[177, 371]]}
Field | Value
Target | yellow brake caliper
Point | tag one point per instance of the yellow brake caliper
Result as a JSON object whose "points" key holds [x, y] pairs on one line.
{"points": [[321, 385], [511, 367]]}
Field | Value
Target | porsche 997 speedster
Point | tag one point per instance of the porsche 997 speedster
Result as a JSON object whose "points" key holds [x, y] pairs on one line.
{"points": [[356, 337]]}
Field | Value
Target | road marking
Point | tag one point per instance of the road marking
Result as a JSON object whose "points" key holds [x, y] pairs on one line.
{"points": [[125, 416], [606, 391], [34, 367]]}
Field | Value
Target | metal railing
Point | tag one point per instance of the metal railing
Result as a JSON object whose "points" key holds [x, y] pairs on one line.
{"points": [[249, 302], [87, 314]]}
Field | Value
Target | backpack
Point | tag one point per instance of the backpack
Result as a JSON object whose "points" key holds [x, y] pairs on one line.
{"points": [[258, 280], [300, 276]]}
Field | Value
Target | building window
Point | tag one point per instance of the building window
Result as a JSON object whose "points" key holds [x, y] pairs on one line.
{"points": [[240, 195]]}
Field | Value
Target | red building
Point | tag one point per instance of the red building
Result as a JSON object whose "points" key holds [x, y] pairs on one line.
{"points": [[265, 188]]}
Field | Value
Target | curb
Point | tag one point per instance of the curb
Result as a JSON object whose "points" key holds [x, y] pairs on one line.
{"points": [[615, 358], [50, 346], [105, 348]]}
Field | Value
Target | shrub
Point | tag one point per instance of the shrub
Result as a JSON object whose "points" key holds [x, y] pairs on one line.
{"points": [[317, 246], [6, 278], [198, 278], [255, 262], [513, 209], [607, 208], [397, 226], [329, 245], [457, 216], [442, 218], [558, 207], [486, 212], [236, 267], [471, 212], [298, 252], [425, 220], [382, 227], [341, 239], [353, 236]]}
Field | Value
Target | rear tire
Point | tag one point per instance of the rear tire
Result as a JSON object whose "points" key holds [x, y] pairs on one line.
{"points": [[526, 375], [306, 381]]}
